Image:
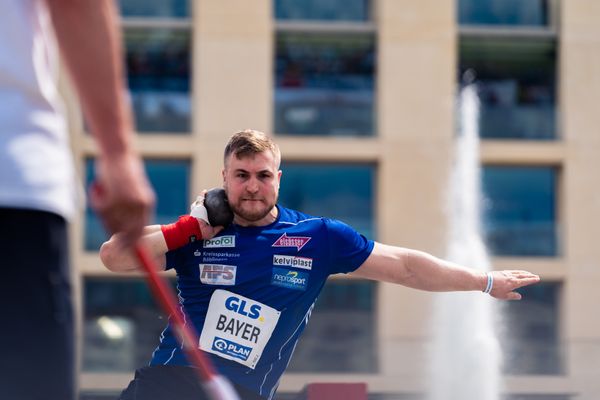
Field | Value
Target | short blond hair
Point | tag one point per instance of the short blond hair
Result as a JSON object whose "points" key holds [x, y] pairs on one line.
{"points": [[250, 142]]}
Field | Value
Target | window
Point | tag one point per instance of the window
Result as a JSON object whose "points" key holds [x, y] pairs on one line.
{"points": [[324, 71], [122, 324], [155, 8], [503, 12], [341, 10], [157, 44], [531, 342], [170, 180], [159, 79], [340, 191], [520, 210], [516, 85], [340, 336]]}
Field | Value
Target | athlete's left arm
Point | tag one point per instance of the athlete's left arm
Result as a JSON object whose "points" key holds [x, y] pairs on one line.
{"points": [[420, 270]]}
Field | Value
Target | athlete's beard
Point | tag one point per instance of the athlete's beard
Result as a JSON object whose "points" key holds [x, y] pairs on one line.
{"points": [[254, 214]]}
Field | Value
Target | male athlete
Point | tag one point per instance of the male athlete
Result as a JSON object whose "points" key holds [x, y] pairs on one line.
{"points": [[249, 288]]}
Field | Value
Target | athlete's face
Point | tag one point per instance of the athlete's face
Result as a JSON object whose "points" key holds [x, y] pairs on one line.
{"points": [[252, 185]]}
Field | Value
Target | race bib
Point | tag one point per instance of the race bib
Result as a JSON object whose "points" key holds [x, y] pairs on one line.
{"points": [[237, 328]]}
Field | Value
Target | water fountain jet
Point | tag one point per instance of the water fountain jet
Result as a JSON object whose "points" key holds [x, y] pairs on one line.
{"points": [[465, 355]]}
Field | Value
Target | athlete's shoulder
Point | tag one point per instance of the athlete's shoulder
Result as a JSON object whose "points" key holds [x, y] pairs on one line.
{"points": [[289, 216]]}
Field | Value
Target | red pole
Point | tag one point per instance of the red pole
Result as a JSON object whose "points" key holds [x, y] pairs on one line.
{"points": [[217, 387]]}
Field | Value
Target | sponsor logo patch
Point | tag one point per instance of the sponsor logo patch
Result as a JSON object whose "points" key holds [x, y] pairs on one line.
{"points": [[217, 274], [289, 279], [291, 241], [237, 328], [220, 241], [291, 261], [231, 349], [244, 307]]}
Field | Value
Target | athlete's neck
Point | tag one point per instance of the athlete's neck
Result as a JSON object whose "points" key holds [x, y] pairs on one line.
{"points": [[266, 220]]}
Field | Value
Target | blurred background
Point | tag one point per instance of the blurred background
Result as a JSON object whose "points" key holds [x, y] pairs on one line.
{"points": [[361, 96]]}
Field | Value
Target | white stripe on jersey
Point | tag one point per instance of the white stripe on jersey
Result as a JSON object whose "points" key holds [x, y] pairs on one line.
{"points": [[296, 223], [181, 300], [303, 320]]}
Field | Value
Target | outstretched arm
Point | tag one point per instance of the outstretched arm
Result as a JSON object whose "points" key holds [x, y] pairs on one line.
{"points": [[419, 270]]}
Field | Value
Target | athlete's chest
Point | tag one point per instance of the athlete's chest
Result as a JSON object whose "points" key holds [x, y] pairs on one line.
{"points": [[290, 260]]}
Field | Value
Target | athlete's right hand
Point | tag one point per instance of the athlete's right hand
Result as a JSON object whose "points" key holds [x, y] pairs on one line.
{"points": [[122, 196], [198, 211], [208, 231]]}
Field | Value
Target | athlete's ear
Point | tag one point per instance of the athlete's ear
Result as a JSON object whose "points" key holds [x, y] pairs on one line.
{"points": [[279, 173]]}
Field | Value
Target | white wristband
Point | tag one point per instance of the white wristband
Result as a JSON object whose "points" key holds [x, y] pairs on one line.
{"points": [[490, 283], [199, 211]]}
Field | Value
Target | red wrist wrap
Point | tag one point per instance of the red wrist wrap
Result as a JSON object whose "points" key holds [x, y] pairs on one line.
{"points": [[182, 232]]}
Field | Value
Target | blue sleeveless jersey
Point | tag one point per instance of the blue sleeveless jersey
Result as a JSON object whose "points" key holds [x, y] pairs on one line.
{"points": [[250, 290]]}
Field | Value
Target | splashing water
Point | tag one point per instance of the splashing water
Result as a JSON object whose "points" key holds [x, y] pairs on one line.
{"points": [[465, 357]]}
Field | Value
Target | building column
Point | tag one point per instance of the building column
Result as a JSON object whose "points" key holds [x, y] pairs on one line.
{"points": [[580, 97], [415, 101], [232, 81]]}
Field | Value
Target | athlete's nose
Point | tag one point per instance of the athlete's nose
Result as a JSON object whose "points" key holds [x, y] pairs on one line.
{"points": [[252, 185]]}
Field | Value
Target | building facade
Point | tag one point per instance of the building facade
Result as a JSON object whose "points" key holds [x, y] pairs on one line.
{"points": [[361, 97]]}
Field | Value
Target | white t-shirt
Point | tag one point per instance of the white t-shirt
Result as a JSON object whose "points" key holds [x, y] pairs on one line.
{"points": [[36, 166]]}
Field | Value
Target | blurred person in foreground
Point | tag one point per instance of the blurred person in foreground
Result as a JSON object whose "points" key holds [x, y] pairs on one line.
{"points": [[249, 288], [38, 186]]}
